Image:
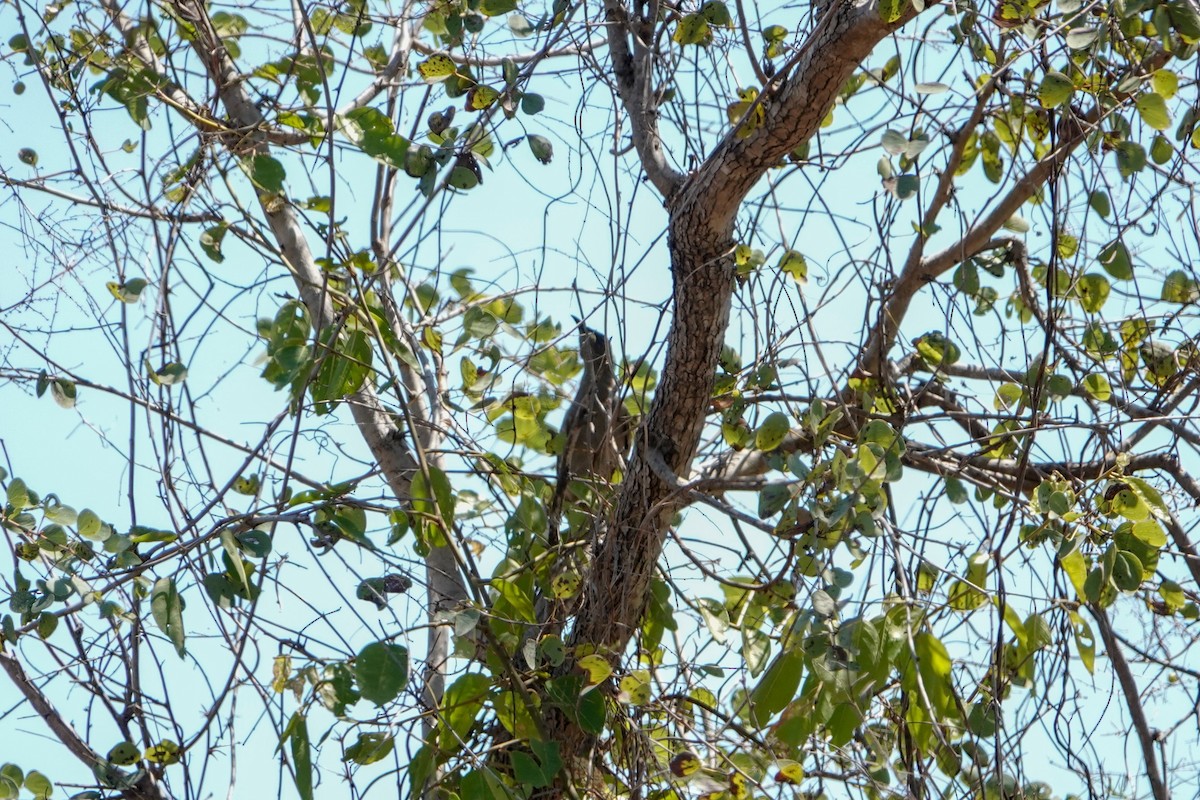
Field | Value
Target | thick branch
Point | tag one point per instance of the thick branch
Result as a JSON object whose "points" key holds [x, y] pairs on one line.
{"points": [[701, 228]]}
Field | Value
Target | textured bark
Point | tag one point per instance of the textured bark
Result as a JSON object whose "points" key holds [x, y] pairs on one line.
{"points": [[702, 211]]}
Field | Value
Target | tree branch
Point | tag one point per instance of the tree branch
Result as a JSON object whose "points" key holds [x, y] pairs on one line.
{"points": [[702, 212], [146, 789], [399, 464], [633, 70], [1133, 702]]}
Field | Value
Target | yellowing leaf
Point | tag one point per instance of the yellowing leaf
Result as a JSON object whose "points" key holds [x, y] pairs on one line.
{"points": [[685, 764], [742, 115], [165, 752], [693, 29], [772, 431], [1153, 110], [1165, 83], [790, 772], [436, 68], [634, 688], [597, 668], [481, 97], [794, 264]]}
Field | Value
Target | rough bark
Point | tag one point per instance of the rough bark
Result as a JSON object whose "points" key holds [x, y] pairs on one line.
{"points": [[702, 212]]}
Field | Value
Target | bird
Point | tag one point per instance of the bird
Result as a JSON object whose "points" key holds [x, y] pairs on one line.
{"points": [[595, 429]]}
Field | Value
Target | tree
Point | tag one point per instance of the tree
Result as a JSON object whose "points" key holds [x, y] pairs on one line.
{"points": [[907, 456]]}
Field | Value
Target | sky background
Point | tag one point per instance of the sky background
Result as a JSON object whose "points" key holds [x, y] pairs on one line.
{"points": [[579, 236]]}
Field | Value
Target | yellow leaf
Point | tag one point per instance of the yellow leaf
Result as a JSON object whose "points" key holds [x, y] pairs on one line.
{"points": [[740, 112], [790, 772], [596, 667]]}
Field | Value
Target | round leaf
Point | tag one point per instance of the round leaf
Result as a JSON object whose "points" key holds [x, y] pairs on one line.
{"points": [[381, 669]]}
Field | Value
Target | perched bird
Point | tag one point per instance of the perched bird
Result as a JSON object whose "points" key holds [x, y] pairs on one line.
{"points": [[595, 429]]}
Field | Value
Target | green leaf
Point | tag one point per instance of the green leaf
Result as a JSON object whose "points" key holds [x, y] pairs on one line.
{"points": [[934, 663], [541, 148], [494, 8], [1173, 596], [168, 374], [296, 733], [1098, 387], [1150, 533], [894, 143], [773, 498], [1115, 260], [19, 496], [38, 785], [1131, 158], [772, 431], [1092, 290], [345, 366], [166, 605], [461, 705], [381, 669], [1161, 150], [369, 748], [210, 242], [1180, 287], [11, 778], [1085, 641], [1153, 110], [265, 173], [1056, 90], [962, 596], [903, 187], [717, 13], [1127, 571], [46, 625], [1079, 38], [1099, 202], [527, 771], [433, 495], [532, 104], [966, 278], [90, 526]]}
